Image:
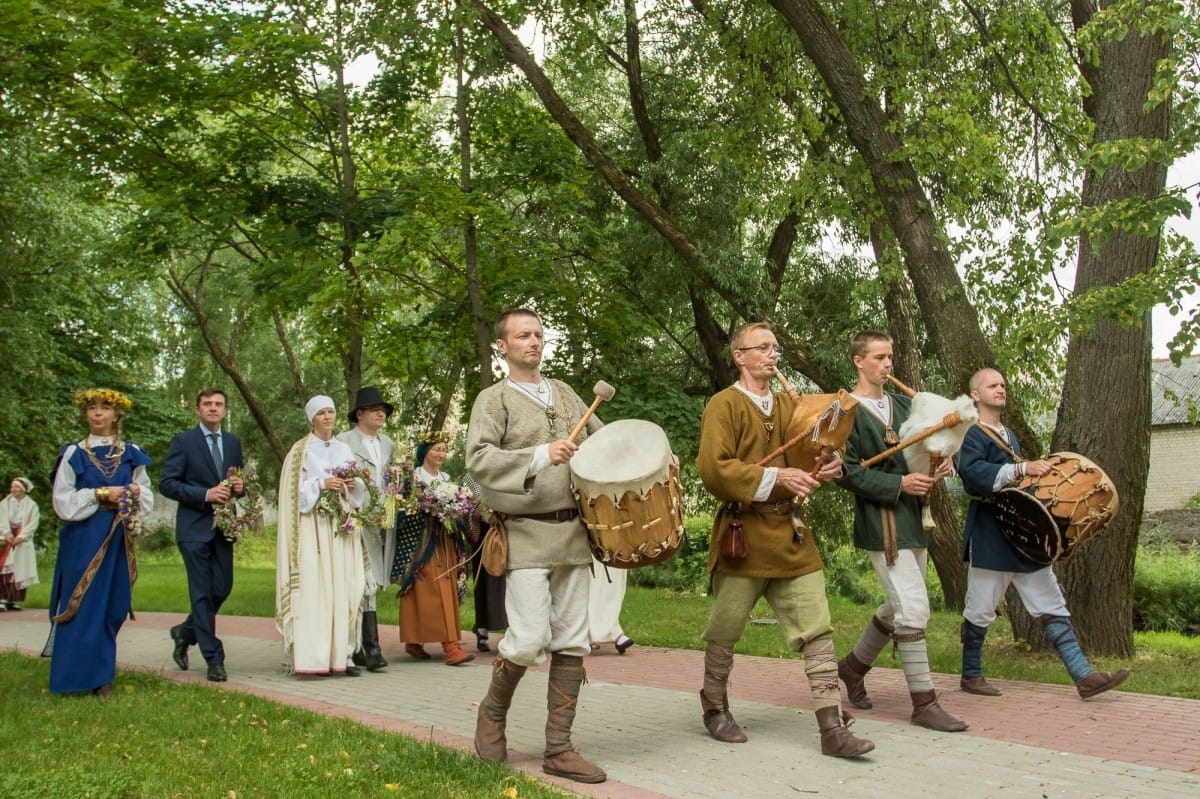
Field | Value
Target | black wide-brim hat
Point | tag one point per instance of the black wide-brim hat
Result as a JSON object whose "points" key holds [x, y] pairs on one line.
{"points": [[366, 397]]}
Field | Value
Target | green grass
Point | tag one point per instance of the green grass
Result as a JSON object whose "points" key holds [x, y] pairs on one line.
{"points": [[158, 738]]}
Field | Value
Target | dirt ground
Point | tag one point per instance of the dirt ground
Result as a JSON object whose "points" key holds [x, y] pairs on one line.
{"points": [[1181, 526]]}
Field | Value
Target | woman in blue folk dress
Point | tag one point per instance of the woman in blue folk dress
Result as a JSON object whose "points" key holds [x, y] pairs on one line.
{"points": [[100, 487]]}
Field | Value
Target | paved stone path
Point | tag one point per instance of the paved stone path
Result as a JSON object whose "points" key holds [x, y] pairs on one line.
{"points": [[639, 718]]}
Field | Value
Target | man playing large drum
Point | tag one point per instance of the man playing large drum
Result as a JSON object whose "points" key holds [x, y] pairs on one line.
{"points": [[989, 461], [518, 447], [741, 425]]}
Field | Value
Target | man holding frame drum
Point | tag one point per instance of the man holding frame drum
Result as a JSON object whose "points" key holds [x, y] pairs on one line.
{"points": [[776, 559], [990, 460]]}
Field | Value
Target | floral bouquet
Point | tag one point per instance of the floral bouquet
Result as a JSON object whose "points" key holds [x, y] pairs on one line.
{"points": [[129, 510], [337, 506], [444, 500], [394, 478], [237, 516]]}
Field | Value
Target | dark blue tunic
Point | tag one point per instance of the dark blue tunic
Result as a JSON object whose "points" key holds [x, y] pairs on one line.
{"points": [[85, 648], [984, 546]]}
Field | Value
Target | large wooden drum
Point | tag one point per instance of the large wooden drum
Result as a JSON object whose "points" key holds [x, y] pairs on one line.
{"points": [[1048, 518], [628, 492]]}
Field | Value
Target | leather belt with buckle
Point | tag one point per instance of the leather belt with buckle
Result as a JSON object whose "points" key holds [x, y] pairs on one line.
{"points": [[565, 515], [783, 507]]}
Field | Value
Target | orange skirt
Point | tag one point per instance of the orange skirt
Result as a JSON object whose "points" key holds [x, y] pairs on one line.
{"points": [[429, 610]]}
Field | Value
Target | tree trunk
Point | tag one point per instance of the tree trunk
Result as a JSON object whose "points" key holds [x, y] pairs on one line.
{"points": [[944, 549], [226, 361], [1112, 361], [479, 315], [948, 316]]}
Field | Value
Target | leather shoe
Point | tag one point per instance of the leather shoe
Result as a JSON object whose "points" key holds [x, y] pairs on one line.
{"points": [[216, 672], [352, 671], [179, 655], [978, 686], [571, 765], [720, 725], [1100, 681], [623, 643]]}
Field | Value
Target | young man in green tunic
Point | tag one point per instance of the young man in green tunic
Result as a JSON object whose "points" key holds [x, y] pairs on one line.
{"points": [[741, 426], [887, 524]]}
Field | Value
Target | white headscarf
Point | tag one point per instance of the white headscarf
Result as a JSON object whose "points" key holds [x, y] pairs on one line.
{"points": [[24, 481], [316, 405]]}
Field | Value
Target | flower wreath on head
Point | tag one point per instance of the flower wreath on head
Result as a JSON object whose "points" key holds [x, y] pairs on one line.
{"points": [[237, 516], [105, 396], [433, 437], [331, 502]]}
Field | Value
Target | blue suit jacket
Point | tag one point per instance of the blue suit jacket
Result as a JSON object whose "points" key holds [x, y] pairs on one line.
{"points": [[188, 473], [984, 546]]}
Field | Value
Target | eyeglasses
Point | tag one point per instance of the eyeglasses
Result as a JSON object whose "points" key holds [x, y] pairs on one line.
{"points": [[764, 349]]}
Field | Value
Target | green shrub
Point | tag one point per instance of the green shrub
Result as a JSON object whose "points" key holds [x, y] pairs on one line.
{"points": [[848, 573], [158, 538], [686, 571], [1165, 597]]}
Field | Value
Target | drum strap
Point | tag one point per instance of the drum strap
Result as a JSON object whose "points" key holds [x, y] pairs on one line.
{"points": [[990, 433]]}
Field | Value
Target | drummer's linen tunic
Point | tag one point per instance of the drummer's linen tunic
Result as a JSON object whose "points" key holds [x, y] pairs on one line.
{"points": [[546, 579]]}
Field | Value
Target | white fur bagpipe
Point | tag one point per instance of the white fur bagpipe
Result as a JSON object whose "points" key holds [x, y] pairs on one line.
{"points": [[934, 430]]}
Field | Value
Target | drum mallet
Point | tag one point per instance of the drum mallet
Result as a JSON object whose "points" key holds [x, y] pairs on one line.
{"points": [[603, 392]]}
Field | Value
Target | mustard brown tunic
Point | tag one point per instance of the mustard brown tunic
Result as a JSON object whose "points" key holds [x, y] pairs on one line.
{"points": [[734, 435]]}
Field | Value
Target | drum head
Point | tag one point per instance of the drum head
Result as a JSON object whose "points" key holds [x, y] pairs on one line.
{"points": [[1029, 525], [626, 455]]}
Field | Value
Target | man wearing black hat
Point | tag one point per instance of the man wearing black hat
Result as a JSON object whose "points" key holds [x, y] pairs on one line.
{"points": [[373, 449]]}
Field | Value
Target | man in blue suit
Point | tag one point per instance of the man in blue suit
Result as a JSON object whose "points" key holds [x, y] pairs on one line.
{"points": [[194, 476]]}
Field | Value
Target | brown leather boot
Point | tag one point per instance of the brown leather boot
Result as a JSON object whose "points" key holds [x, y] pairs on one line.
{"points": [[455, 654], [836, 738], [490, 741], [978, 686], [720, 723], [852, 673], [714, 703], [1100, 681], [562, 695], [928, 713]]}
